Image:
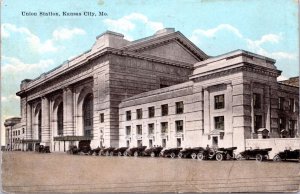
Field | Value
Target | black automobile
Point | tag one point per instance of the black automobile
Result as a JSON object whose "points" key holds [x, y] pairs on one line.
{"points": [[171, 152], [287, 155], [119, 151], [107, 151], [258, 154], [95, 151], [190, 152], [43, 149], [153, 151], [135, 151]]}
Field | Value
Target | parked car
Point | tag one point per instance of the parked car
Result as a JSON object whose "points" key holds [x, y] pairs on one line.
{"points": [[135, 151], [287, 155], [218, 154], [83, 148], [95, 151], [43, 149], [153, 151], [107, 151], [171, 152], [190, 152], [258, 154], [119, 151]]}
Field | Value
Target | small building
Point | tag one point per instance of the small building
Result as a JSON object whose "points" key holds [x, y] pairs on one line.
{"points": [[14, 133]]}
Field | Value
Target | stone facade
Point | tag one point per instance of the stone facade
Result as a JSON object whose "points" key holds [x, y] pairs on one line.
{"points": [[88, 96]]}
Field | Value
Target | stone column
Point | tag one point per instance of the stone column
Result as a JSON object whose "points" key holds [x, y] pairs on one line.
{"points": [[206, 111], [45, 121], [28, 132], [68, 111], [267, 108], [252, 110]]}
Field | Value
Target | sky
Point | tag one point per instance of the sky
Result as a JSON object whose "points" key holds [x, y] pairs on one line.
{"points": [[33, 44]]}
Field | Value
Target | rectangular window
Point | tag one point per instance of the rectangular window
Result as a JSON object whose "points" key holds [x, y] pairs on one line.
{"points": [[164, 143], [219, 123], [257, 122], [151, 111], [139, 143], [282, 123], [257, 100], [23, 130], [151, 128], [179, 126], [139, 130], [179, 107], [127, 143], [128, 115], [164, 110], [292, 105], [101, 117], [178, 142], [150, 143], [139, 113], [219, 101], [128, 130], [292, 127], [18, 132], [280, 103], [164, 127]]}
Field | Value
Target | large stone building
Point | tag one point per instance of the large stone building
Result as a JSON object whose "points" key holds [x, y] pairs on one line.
{"points": [[159, 90]]}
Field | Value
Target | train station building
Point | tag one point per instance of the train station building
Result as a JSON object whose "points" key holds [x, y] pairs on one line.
{"points": [[159, 90]]}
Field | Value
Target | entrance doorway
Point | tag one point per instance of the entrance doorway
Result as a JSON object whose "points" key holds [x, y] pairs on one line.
{"points": [[215, 141]]}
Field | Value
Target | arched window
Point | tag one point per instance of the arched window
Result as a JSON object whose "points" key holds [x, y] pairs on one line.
{"points": [[60, 119], [88, 115], [40, 125]]}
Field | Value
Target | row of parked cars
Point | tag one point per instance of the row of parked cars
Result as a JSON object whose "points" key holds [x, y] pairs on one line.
{"points": [[199, 153]]}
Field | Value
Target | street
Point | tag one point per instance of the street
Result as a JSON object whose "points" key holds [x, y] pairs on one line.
{"points": [[60, 172]]}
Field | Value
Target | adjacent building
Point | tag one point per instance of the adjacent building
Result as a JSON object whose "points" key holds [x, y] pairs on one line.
{"points": [[159, 90]]}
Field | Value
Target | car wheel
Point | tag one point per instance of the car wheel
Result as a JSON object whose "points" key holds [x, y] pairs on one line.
{"points": [[200, 156], [219, 157], [194, 156], [239, 157], [136, 154], [228, 157], [259, 157], [152, 154], [119, 154], [180, 155], [107, 153], [277, 158], [173, 155], [125, 153], [111, 154]]}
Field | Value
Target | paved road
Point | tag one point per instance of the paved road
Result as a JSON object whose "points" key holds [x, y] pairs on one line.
{"points": [[59, 172]]}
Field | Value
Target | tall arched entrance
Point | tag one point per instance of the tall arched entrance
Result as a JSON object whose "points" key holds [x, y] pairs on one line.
{"points": [[87, 110], [60, 119]]}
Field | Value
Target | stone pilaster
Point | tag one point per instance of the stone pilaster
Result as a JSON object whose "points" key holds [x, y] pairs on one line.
{"points": [[267, 107], [68, 111], [29, 131], [206, 114], [45, 121]]}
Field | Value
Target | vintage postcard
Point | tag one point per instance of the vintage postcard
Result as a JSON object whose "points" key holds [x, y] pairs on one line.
{"points": [[150, 96]]}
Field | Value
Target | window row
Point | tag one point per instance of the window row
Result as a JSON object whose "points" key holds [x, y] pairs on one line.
{"points": [[163, 127], [163, 143], [15, 133], [291, 104], [151, 111]]}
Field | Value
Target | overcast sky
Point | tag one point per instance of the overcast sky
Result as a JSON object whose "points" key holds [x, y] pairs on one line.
{"points": [[32, 45]]}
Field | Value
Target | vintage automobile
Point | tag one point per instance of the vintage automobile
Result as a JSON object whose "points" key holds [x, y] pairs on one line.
{"points": [[118, 151], [153, 151], [83, 148], [107, 151], [258, 154], [95, 151], [171, 152], [43, 149], [218, 154], [287, 155], [190, 152], [135, 151]]}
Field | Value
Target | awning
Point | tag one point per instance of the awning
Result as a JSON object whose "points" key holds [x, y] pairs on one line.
{"points": [[30, 141], [72, 138]]}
